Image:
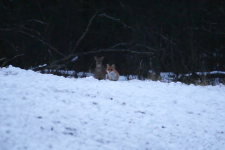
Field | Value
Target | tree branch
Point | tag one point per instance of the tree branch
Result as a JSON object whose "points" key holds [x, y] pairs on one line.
{"points": [[40, 40], [38, 21], [115, 19], [56, 63], [147, 47], [115, 50], [33, 34], [8, 60], [120, 44], [1, 59], [83, 35], [13, 46]]}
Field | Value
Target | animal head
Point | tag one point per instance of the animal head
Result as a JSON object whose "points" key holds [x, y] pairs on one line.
{"points": [[99, 60], [110, 68]]}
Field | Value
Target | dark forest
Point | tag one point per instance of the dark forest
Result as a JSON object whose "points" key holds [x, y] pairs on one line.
{"points": [[179, 36]]}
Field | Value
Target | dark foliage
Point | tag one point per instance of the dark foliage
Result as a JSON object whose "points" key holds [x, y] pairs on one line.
{"points": [[178, 36]]}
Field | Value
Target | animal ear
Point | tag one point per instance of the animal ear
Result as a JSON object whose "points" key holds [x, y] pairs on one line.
{"points": [[113, 66], [102, 57], [95, 57], [107, 65]]}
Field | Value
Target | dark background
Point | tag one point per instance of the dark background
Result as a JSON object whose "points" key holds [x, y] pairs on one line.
{"points": [[179, 36]]}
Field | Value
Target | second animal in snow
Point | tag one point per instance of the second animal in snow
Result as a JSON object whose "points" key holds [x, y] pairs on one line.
{"points": [[112, 75]]}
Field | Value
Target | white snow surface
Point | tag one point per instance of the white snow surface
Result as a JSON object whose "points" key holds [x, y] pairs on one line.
{"points": [[43, 112]]}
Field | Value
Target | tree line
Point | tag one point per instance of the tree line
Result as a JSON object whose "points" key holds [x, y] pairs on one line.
{"points": [[182, 36]]}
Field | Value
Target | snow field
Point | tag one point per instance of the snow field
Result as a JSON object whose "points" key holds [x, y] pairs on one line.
{"points": [[42, 111]]}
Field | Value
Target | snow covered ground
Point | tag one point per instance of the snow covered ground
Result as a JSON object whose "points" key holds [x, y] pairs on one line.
{"points": [[43, 111]]}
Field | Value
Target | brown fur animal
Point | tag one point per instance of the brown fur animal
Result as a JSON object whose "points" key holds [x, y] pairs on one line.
{"points": [[113, 75], [100, 71]]}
